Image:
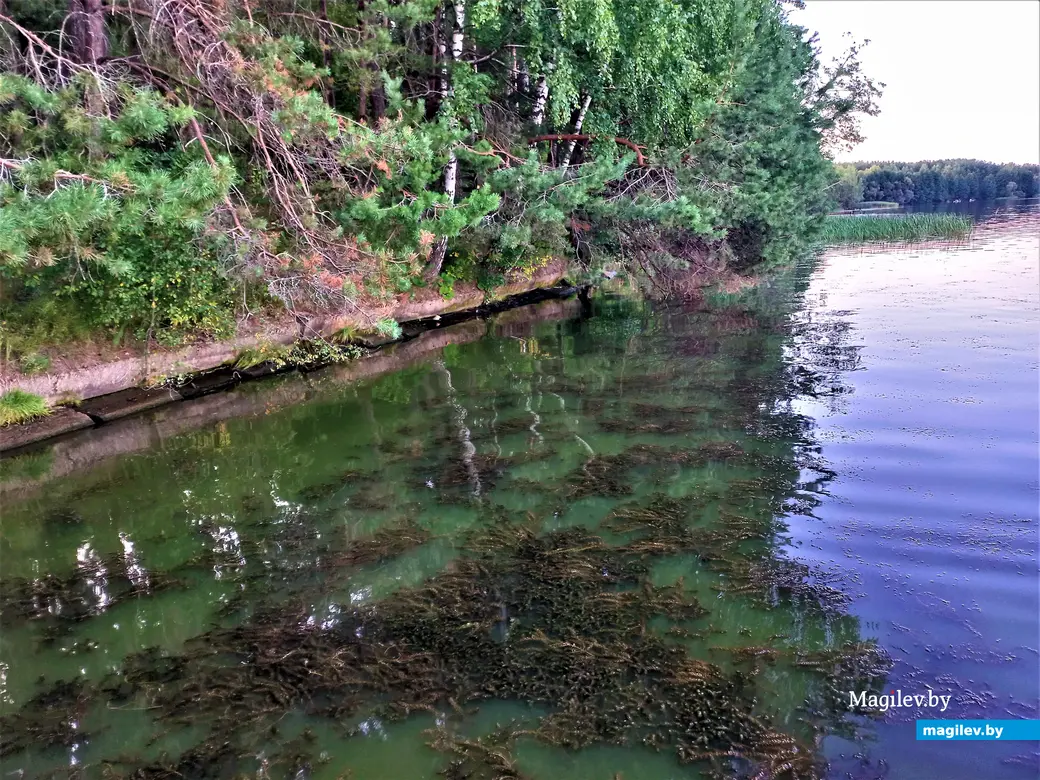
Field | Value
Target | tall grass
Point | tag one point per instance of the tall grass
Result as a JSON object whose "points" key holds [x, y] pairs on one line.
{"points": [[911, 227], [19, 406]]}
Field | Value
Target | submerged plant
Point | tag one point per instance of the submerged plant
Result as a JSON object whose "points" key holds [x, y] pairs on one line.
{"points": [[564, 621]]}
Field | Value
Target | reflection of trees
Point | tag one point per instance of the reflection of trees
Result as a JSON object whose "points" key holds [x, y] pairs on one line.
{"points": [[463, 433], [674, 429]]}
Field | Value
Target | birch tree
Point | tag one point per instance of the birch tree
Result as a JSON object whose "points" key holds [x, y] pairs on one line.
{"points": [[451, 170]]}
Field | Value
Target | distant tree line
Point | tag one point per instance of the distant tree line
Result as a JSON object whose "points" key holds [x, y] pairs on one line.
{"points": [[933, 181]]}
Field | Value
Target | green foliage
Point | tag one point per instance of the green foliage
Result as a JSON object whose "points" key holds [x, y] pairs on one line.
{"points": [[100, 215], [19, 406], [766, 142], [264, 352], [154, 201], [848, 189], [33, 363], [308, 353], [313, 353], [166, 286], [388, 328]]}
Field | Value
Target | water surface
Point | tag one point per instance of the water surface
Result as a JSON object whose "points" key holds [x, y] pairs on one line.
{"points": [[646, 541]]}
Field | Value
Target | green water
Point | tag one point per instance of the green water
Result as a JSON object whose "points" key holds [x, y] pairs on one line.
{"points": [[300, 530]]}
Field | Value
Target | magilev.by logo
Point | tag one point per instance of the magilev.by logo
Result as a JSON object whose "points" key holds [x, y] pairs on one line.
{"points": [[896, 699]]}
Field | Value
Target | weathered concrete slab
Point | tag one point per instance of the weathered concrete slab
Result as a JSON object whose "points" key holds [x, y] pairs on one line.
{"points": [[55, 424], [429, 323], [212, 382], [115, 405], [260, 370], [131, 370], [89, 450]]}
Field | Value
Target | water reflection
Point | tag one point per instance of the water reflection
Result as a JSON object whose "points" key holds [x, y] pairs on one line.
{"points": [[582, 528], [932, 512]]}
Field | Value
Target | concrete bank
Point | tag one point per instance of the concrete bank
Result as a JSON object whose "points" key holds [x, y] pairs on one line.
{"points": [[200, 376]]}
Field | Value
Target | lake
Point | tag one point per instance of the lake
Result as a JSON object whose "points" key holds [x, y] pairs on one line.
{"points": [[588, 539]]}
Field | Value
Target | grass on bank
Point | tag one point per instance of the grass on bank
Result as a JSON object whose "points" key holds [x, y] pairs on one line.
{"points": [[912, 227], [19, 406]]}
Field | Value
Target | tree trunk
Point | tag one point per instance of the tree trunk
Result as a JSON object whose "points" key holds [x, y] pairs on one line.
{"points": [[435, 87], [441, 56], [458, 37], [378, 95], [362, 108], [514, 78], [541, 101], [577, 130], [370, 86], [330, 93], [86, 26], [451, 170]]}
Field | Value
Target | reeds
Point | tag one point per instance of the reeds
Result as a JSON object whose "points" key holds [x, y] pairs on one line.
{"points": [[894, 229]]}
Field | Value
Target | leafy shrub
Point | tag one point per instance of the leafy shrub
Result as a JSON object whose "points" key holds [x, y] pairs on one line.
{"points": [[33, 363]]}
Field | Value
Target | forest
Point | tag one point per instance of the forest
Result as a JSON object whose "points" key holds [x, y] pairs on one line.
{"points": [[170, 169], [933, 181]]}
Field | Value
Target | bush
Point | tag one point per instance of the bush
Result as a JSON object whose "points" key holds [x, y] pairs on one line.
{"points": [[34, 363], [389, 328], [169, 285]]}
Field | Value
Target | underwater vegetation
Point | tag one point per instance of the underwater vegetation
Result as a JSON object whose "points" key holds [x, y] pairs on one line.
{"points": [[563, 620], [599, 546]]}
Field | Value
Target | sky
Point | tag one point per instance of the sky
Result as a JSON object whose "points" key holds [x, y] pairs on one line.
{"points": [[962, 76]]}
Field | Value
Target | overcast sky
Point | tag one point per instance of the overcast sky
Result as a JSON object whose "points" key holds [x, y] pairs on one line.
{"points": [[963, 76]]}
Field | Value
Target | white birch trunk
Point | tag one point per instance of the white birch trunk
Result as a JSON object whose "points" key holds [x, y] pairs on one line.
{"points": [[451, 177], [451, 170], [541, 100], [458, 36], [451, 173], [442, 58], [577, 129]]}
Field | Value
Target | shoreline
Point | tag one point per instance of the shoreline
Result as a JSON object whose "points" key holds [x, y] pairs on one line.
{"points": [[107, 391]]}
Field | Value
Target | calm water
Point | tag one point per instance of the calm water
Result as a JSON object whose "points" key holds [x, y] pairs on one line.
{"points": [[646, 542]]}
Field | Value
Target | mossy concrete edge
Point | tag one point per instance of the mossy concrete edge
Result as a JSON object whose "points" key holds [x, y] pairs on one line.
{"points": [[102, 384]]}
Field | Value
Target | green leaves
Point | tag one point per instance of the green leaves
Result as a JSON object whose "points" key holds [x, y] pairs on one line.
{"points": [[331, 137]]}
